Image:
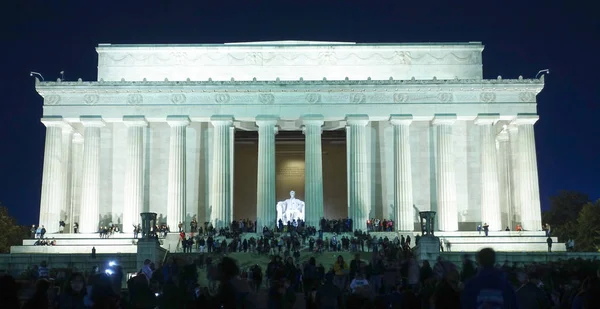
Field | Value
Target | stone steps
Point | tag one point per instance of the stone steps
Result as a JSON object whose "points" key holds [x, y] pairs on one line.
{"points": [[87, 249], [506, 247], [87, 242], [86, 236], [497, 239]]}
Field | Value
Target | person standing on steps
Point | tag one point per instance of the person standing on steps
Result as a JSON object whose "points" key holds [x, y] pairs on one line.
{"points": [[486, 229]]}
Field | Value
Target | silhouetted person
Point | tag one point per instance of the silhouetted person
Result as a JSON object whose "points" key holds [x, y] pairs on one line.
{"points": [[93, 252], [489, 288], [9, 293], [40, 297], [73, 293]]}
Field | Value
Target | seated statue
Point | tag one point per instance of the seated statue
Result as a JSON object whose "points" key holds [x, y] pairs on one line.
{"points": [[290, 209]]}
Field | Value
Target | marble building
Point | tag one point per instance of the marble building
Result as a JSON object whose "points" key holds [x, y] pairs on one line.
{"points": [[423, 130]]}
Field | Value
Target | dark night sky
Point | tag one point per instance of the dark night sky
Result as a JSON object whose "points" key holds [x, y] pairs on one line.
{"points": [[521, 37]]}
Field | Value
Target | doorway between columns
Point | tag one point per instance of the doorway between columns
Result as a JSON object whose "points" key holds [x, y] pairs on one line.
{"points": [[290, 171]]}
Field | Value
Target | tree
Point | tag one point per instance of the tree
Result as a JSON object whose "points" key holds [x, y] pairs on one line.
{"points": [[565, 207], [564, 212], [12, 234], [588, 228]]}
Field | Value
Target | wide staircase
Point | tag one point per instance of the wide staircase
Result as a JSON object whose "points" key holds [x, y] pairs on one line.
{"points": [[460, 241]]}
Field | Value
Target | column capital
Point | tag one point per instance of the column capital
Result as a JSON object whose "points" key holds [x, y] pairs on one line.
{"points": [[312, 120], [360, 120], [54, 121], [525, 119], [503, 135], [266, 120], [178, 121], [92, 121], [401, 119], [444, 119], [221, 120], [77, 138], [135, 121], [67, 128], [485, 119]]}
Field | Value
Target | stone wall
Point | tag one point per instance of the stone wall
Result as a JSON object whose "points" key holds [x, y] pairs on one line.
{"points": [[16, 264]]}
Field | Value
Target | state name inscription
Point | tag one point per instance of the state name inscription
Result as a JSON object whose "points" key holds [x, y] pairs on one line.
{"points": [[291, 171]]}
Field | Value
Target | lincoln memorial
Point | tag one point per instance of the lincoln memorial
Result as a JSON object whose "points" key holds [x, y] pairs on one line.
{"points": [[223, 132]]}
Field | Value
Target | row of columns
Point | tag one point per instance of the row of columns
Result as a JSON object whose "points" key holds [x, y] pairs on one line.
{"points": [[521, 172], [522, 181]]}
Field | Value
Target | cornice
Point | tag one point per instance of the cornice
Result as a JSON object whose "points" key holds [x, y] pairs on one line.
{"points": [[290, 92], [537, 83]]}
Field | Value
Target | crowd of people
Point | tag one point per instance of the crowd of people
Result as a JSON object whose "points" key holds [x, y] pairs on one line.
{"points": [[390, 278]]}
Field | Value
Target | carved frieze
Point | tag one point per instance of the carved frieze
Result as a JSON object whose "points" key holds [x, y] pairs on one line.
{"points": [[327, 57], [135, 99], [52, 99], [91, 99], [444, 97], [400, 97], [222, 98], [527, 97], [178, 98], [313, 98], [254, 58], [425, 97], [266, 98], [287, 57], [487, 97], [358, 98]]}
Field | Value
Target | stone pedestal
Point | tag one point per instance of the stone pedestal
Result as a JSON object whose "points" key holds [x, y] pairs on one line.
{"points": [[265, 198], [149, 249], [428, 249]]}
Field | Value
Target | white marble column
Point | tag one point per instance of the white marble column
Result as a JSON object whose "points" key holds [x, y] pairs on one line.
{"points": [[231, 170], [403, 197], [529, 190], [134, 172], [176, 193], [52, 179], [221, 207], [503, 148], [76, 173], [313, 160], [65, 213], [490, 194], [265, 193], [360, 200], [447, 214], [89, 218], [515, 196]]}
